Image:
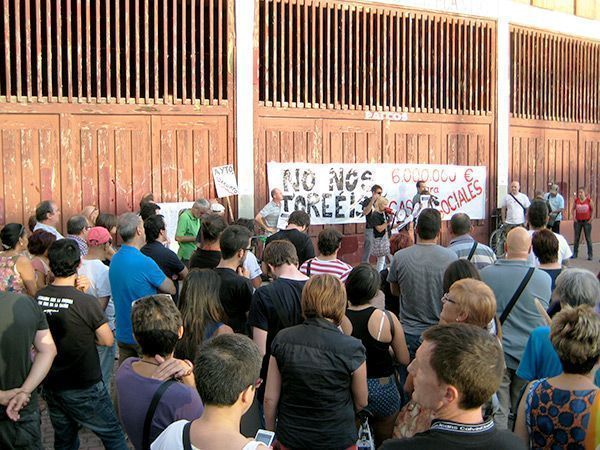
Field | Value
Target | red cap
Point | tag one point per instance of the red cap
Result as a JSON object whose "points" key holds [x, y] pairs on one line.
{"points": [[98, 236]]}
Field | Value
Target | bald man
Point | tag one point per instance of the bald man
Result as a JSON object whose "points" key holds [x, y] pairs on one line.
{"points": [[514, 206], [516, 285]]}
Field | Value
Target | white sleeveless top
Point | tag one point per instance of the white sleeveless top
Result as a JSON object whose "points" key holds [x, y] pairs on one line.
{"points": [[172, 439]]}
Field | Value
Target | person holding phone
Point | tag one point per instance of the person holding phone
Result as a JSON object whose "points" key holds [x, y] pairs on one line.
{"points": [[227, 377]]}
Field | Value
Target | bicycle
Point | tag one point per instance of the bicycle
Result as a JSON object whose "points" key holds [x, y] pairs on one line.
{"points": [[498, 236]]}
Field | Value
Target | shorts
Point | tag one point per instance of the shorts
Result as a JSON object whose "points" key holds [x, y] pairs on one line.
{"points": [[384, 398]]}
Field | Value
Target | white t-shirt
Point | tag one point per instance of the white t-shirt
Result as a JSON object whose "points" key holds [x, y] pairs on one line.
{"points": [[251, 264], [172, 439], [97, 272], [564, 251], [514, 213]]}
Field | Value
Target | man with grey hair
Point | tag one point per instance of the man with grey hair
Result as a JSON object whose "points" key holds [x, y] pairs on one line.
{"points": [[47, 215], [188, 226], [574, 287], [132, 275], [77, 229], [268, 217]]}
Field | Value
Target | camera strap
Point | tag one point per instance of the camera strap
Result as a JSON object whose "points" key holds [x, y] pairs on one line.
{"points": [[516, 295], [151, 410], [472, 252], [520, 204]]}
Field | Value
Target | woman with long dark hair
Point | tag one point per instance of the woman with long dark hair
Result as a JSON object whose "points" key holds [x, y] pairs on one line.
{"points": [[201, 310], [16, 271]]}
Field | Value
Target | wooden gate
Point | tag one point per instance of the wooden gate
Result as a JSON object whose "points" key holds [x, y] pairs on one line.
{"points": [[555, 123], [326, 66], [102, 101]]}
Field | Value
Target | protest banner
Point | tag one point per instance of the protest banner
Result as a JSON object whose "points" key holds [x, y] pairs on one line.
{"points": [[332, 193], [226, 184]]}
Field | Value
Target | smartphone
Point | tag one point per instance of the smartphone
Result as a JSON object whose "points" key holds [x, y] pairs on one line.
{"points": [[264, 437]]}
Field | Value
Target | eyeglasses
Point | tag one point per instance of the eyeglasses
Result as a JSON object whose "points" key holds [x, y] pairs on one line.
{"points": [[446, 299]]}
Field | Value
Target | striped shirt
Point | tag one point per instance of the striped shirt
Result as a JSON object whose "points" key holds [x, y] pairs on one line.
{"points": [[334, 267], [483, 256]]}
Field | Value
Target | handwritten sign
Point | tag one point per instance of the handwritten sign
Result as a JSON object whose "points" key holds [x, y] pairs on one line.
{"points": [[225, 181], [333, 193]]}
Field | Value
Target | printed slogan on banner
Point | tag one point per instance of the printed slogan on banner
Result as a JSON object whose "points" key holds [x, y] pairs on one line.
{"points": [[332, 193]]}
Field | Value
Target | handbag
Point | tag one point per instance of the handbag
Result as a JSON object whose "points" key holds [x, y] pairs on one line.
{"points": [[381, 246]]}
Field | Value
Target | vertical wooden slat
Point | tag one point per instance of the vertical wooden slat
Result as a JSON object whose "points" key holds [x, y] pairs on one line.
{"points": [[351, 47], [8, 50], [305, 28], [383, 79], [98, 53], [136, 6], [283, 36], [464, 85], [446, 56], [298, 69], [155, 46], [38, 47], [371, 81], [364, 60], [411, 104], [397, 19], [79, 51], [18, 49], [459, 68], [211, 60], [421, 59], [275, 53], [491, 68], [343, 58], [436, 77], [118, 51], [429, 55], [313, 48], [193, 50], [127, 52], [174, 54], [377, 47], [88, 52], [478, 68], [58, 32], [166, 53], [222, 69], [405, 42], [322, 10], [108, 52], [28, 49], [335, 60], [184, 51], [515, 65], [527, 70], [471, 76], [201, 38], [290, 58]]}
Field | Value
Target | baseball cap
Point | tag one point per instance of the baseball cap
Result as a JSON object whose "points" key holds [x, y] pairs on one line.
{"points": [[98, 236]]}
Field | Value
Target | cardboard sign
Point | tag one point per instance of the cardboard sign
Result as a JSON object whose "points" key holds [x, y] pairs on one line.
{"points": [[333, 193], [171, 212], [225, 181]]}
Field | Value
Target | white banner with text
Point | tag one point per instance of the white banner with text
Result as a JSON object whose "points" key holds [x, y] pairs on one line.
{"points": [[332, 193]]}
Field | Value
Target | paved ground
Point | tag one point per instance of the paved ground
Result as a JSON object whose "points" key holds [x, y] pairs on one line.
{"points": [[90, 442]]}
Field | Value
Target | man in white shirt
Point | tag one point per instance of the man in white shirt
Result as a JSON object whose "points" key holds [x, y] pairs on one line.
{"points": [[47, 215], [514, 206]]}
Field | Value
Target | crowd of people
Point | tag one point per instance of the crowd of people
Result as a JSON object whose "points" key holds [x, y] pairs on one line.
{"points": [[430, 347]]}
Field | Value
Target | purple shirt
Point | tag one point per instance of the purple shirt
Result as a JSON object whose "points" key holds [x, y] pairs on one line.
{"points": [[135, 393]]}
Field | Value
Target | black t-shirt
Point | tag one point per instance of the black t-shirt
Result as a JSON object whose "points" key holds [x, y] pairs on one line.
{"points": [[377, 219], [316, 361], [264, 313], [73, 318], [205, 259], [20, 319], [368, 217], [235, 294], [454, 436], [166, 259], [302, 242]]}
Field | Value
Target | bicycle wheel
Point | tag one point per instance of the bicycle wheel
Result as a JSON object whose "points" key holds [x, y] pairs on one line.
{"points": [[497, 242]]}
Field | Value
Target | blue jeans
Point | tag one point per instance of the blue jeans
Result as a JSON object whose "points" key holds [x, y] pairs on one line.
{"points": [[91, 408], [107, 362]]}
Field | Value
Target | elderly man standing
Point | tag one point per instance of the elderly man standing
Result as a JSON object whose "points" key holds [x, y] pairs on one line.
{"points": [[268, 216], [77, 229], [516, 285], [188, 227], [514, 206]]}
